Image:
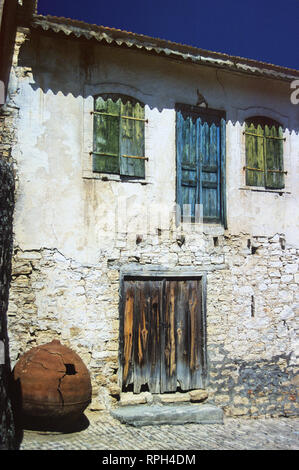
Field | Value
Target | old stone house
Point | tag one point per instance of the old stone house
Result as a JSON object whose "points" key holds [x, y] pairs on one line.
{"points": [[156, 216]]}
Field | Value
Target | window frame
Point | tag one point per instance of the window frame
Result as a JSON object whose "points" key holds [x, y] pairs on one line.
{"points": [[262, 121], [124, 98], [157, 273], [208, 114]]}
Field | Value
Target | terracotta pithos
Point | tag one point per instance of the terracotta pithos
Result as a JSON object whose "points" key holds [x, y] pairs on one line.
{"points": [[54, 383]]}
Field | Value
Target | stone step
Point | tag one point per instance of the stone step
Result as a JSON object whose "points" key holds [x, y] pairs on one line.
{"points": [[146, 415]]}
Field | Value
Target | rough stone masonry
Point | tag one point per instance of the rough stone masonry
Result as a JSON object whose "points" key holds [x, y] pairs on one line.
{"points": [[58, 292], [252, 296]]}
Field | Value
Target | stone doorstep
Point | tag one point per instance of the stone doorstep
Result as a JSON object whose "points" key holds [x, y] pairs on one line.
{"points": [[129, 398], [148, 415]]}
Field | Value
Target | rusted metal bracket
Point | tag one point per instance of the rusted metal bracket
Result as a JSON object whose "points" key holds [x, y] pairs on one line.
{"points": [[278, 171], [270, 171], [253, 169], [106, 154], [118, 116], [264, 136], [133, 156]]}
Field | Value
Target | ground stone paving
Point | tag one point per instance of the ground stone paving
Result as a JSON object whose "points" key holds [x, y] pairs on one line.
{"points": [[106, 433]]}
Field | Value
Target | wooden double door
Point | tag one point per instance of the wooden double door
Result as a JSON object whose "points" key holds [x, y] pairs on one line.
{"points": [[162, 336]]}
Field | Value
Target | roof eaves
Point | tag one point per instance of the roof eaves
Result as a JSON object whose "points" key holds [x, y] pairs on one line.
{"points": [[171, 49]]}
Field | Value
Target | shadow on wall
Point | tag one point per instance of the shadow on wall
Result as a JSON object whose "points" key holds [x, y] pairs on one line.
{"points": [[70, 66], [10, 436]]}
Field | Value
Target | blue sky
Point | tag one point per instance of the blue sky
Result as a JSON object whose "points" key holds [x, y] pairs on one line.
{"points": [[266, 30]]}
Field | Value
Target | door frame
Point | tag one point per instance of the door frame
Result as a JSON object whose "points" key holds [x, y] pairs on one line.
{"points": [[154, 272]]}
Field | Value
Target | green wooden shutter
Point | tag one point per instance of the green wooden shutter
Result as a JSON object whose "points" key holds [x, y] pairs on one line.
{"points": [[106, 136], [255, 167], [132, 140], [274, 157], [119, 137]]}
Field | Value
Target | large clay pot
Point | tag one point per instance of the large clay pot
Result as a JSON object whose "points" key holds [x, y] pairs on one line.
{"points": [[54, 384]]}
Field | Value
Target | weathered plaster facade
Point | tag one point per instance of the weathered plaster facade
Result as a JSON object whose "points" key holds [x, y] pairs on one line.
{"points": [[68, 256]]}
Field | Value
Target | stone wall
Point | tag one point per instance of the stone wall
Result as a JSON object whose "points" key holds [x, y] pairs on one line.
{"points": [[252, 295], [7, 428], [253, 330], [67, 260]]}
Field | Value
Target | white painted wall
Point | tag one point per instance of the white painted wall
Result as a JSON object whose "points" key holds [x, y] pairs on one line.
{"points": [[60, 204]]}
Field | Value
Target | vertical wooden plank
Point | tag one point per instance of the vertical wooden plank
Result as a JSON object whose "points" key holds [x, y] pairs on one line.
{"points": [[179, 156], [189, 330], [132, 140], [205, 150], [274, 157], [147, 347], [196, 334], [186, 162], [189, 165], [201, 160], [155, 306], [106, 136], [128, 318], [183, 335], [169, 338], [156, 314], [255, 175], [199, 165], [210, 154], [260, 155], [223, 172], [141, 332], [218, 165]]}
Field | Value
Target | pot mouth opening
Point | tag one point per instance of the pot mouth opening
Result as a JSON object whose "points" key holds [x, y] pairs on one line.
{"points": [[70, 369]]}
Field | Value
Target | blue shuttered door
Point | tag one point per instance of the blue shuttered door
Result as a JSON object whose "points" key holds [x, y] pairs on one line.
{"points": [[200, 161]]}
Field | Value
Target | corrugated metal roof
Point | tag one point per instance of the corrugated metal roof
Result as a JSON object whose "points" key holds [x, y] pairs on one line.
{"points": [[80, 29]]}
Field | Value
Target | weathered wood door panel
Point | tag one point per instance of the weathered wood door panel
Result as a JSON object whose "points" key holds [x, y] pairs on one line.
{"points": [[189, 321], [147, 318], [163, 335], [141, 337]]}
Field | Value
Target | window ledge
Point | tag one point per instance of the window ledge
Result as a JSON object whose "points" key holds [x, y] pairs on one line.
{"points": [[213, 229], [264, 190], [117, 178]]}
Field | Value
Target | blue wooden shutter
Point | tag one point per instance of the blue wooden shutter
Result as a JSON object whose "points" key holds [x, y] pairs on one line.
{"points": [[223, 171], [201, 161], [187, 163], [210, 171]]}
